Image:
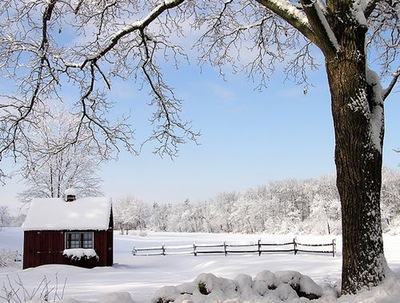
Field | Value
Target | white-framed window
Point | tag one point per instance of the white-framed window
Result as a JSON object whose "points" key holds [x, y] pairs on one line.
{"points": [[78, 240]]}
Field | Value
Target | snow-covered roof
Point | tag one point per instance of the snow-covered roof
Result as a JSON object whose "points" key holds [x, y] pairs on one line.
{"points": [[57, 214]]}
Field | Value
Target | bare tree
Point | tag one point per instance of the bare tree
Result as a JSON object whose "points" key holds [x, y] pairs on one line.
{"points": [[51, 166], [5, 217], [90, 43], [131, 213]]}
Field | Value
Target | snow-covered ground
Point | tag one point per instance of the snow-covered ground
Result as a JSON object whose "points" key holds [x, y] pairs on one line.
{"points": [[141, 279]]}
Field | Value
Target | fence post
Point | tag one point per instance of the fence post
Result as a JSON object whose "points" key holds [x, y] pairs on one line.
{"points": [[163, 249], [194, 250], [333, 247], [295, 246], [226, 253], [259, 247]]}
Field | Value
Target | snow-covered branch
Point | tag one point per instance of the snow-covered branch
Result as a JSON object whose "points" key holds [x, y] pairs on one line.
{"points": [[370, 6], [292, 14], [325, 37]]}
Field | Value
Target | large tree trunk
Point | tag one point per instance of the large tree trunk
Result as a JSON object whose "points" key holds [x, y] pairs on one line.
{"points": [[357, 110]]}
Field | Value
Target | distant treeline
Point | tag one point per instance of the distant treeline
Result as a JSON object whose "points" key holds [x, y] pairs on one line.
{"points": [[308, 206]]}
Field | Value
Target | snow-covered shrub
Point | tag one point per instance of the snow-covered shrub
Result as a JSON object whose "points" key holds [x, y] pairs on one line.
{"points": [[283, 286], [76, 254]]}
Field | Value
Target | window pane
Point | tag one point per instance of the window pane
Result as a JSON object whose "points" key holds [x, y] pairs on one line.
{"points": [[79, 240], [73, 240], [87, 240]]}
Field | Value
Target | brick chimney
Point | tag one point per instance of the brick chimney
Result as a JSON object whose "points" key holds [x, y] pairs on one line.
{"points": [[70, 195]]}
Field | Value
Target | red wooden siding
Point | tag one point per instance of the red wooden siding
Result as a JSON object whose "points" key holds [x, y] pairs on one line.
{"points": [[46, 247], [43, 247]]}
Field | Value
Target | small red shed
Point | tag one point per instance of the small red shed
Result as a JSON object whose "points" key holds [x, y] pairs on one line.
{"points": [[69, 231]]}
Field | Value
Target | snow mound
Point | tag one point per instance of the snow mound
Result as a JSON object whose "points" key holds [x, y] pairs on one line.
{"points": [[282, 286], [120, 297]]}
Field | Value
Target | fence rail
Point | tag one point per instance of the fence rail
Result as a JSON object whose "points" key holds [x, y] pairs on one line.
{"points": [[238, 248]]}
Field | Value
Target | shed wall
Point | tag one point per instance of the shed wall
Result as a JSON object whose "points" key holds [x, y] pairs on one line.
{"points": [[43, 247], [46, 247]]}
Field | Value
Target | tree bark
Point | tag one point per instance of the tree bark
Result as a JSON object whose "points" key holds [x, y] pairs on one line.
{"points": [[357, 110]]}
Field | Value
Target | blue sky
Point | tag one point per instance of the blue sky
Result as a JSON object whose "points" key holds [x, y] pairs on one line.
{"points": [[248, 138]]}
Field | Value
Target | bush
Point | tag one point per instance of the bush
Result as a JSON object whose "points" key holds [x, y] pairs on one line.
{"points": [[8, 257]]}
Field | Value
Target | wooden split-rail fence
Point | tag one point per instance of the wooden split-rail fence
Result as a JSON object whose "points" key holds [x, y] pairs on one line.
{"points": [[227, 248]]}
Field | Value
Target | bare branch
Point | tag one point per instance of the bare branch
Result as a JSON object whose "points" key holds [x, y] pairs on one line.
{"points": [[388, 90], [168, 107], [293, 15], [43, 63], [136, 26], [253, 35], [384, 37]]}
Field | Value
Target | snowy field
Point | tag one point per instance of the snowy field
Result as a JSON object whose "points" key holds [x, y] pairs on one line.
{"points": [[141, 279]]}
